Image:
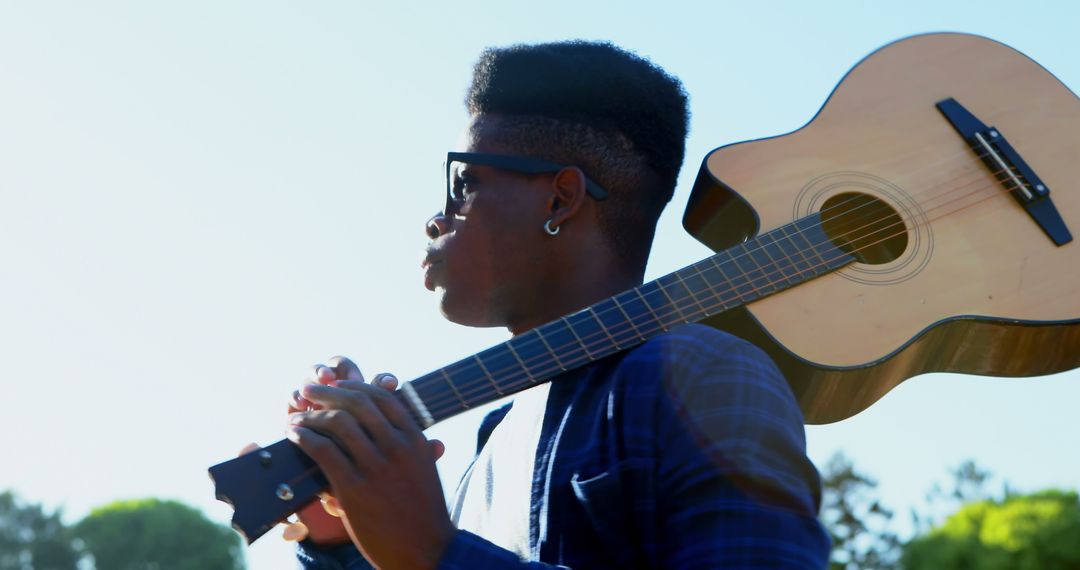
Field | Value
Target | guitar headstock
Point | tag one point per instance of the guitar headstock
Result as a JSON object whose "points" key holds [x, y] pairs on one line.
{"points": [[266, 486]]}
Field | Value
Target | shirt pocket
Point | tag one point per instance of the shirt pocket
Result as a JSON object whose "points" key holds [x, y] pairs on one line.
{"points": [[620, 504]]}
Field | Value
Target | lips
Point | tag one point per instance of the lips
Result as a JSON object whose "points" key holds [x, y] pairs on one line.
{"points": [[430, 264]]}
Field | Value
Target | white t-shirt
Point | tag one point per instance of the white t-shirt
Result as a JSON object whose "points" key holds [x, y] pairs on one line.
{"points": [[494, 497]]}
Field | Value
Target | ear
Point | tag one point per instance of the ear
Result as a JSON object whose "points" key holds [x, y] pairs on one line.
{"points": [[568, 195]]}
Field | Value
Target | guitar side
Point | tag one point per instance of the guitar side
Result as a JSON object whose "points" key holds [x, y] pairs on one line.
{"points": [[978, 287]]}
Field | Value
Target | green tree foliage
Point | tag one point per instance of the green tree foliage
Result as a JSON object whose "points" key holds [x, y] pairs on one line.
{"points": [[31, 539], [968, 486], [856, 520], [1040, 531], [154, 534]]}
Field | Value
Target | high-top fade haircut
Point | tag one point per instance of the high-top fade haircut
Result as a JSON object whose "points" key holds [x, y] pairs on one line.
{"points": [[615, 115]]}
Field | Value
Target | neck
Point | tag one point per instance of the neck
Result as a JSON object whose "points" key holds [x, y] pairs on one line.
{"points": [[564, 294]]}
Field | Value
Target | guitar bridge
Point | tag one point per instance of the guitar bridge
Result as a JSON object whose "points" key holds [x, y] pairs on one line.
{"points": [[1010, 169]]}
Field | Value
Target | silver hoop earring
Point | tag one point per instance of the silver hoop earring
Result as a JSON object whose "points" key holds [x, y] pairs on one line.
{"points": [[551, 232]]}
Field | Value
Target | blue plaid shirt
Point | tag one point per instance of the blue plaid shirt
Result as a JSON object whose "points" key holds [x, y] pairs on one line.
{"points": [[685, 452]]}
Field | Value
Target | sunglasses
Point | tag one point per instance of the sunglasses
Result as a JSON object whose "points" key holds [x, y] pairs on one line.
{"points": [[521, 164]]}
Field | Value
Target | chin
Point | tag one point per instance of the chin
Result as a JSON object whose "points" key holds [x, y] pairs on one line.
{"points": [[468, 311]]}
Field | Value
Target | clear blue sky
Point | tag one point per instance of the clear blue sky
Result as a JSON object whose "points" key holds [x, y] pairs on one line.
{"points": [[200, 199]]}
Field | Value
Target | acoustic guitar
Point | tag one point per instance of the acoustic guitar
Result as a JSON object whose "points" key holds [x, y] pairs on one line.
{"points": [[920, 222]]}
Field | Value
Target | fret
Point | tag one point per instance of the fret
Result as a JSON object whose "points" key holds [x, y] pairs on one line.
{"points": [[660, 298], [813, 247], [569, 326], [730, 289], [751, 257], [604, 328], [760, 282], [465, 374], [690, 290], [504, 366], [513, 351], [616, 319], [700, 270], [834, 257], [777, 258], [707, 297], [450, 382], [615, 299], [554, 356], [452, 389], [674, 305], [589, 332], [488, 374], [806, 268], [645, 302], [736, 288]]}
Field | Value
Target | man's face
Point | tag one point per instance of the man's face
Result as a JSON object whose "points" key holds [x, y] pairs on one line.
{"points": [[489, 256]]}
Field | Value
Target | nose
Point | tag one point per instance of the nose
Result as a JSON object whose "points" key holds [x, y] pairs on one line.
{"points": [[436, 226]]}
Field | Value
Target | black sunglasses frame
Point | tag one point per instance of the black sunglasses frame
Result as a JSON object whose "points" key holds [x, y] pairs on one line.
{"points": [[522, 164]]}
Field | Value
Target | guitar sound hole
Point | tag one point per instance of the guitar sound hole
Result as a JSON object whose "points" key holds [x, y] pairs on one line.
{"points": [[864, 227]]}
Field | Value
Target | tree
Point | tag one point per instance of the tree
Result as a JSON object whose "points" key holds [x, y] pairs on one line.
{"points": [[1040, 531], [160, 535], [968, 486], [856, 520], [31, 539]]}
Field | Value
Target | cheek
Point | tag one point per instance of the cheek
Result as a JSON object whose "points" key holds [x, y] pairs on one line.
{"points": [[469, 276]]}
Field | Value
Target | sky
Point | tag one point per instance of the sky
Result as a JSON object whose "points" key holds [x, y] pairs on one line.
{"points": [[200, 200]]}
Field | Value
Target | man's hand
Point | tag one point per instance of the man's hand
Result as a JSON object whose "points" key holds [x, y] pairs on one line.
{"points": [[321, 520], [379, 464]]}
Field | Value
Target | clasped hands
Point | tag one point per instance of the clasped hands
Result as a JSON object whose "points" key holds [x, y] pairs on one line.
{"points": [[385, 495]]}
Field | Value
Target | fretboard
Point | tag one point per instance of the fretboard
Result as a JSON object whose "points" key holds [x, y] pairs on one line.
{"points": [[759, 267]]}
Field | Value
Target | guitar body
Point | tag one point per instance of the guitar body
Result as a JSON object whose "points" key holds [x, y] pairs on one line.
{"points": [[973, 285]]}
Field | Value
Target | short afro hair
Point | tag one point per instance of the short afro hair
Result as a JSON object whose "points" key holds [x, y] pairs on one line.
{"points": [[617, 116]]}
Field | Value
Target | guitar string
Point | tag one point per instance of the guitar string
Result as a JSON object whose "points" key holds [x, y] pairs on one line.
{"points": [[690, 299]]}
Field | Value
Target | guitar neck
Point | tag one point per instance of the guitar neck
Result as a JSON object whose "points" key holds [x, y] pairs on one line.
{"points": [[764, 265]]}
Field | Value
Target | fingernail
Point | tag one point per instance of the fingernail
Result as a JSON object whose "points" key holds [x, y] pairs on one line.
{"points": [[331, 506], [295, 532]]}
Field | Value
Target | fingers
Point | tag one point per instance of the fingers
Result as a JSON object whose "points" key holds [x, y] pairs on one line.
{"points": [[331, 506], [337, 467], [336, 369], [385, 380], [345, 369], [343, 430], [438, 448], [357, 400], [298, 403], [248, 449], [367, 404], [325, 375]]}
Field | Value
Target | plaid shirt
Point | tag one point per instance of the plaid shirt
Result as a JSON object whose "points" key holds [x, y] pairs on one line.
{"points": [[685, 452]]}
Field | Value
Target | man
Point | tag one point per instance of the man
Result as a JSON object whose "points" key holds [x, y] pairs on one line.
{"points": [[687, 451]]}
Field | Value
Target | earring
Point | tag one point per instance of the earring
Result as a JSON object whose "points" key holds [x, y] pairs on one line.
{"points": [[550, 232]]}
